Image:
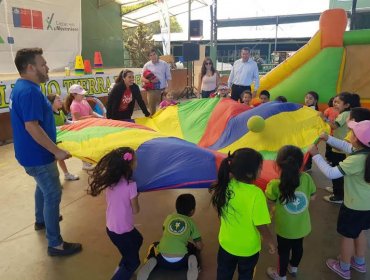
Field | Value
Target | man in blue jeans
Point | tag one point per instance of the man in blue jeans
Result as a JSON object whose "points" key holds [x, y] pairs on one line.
{"points": [[34, 144]]}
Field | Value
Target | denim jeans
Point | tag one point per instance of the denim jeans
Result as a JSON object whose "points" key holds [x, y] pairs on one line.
{"points": [[226, 265], [47, 199]]}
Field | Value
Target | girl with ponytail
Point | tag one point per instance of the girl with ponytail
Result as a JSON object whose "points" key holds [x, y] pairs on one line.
{"points": [[242, 209], [291, 194]]}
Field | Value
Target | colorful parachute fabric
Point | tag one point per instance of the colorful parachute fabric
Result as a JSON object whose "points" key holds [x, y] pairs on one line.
{"points": [[183, 145]]}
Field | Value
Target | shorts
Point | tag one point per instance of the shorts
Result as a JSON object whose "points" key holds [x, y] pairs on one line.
{"points": [[352, 222]]}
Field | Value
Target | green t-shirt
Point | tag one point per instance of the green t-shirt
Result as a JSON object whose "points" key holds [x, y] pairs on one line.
{"points": [[356, 190], [342, 130], [292, 220], [60, 119], [246, 209], [177, 231]]}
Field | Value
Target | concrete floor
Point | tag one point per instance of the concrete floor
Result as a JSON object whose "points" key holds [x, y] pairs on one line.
{"points": [[23, 251]]}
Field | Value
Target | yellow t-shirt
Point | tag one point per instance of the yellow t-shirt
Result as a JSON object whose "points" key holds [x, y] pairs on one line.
{"points": [[246, 209]]}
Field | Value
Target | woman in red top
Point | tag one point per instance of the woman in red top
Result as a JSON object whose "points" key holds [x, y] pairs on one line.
{"points": [[121, 100]]}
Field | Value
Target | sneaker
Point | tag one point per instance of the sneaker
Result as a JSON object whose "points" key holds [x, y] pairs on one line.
{"points": [[333, 199], [273, 274], [335, 266], [68, 249], [41, 226], [193, 271], [87, 166], [70, 177], [359, 267], [292, 270], [146, 269], [329, 189]]}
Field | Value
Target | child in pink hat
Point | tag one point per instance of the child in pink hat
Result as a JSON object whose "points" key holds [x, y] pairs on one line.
{"points": [[354, 214]]}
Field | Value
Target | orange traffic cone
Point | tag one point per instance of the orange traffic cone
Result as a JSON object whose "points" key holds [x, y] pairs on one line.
{"points": [[98, 63], [87, 67], [79, 66]]}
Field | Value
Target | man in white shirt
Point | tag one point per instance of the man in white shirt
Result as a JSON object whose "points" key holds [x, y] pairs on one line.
{"points": [[243, 74], [162, 73]]}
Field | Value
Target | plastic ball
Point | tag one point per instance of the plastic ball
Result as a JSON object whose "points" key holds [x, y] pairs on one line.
{"points": [[256, 124]]}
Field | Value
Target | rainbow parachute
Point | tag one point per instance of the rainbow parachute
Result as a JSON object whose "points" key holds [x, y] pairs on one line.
{"points": [[183, 145]]}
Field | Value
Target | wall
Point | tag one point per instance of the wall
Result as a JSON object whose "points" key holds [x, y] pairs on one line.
{"points": [[102, 31]]}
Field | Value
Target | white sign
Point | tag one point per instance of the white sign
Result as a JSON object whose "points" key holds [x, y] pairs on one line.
{"points": [[54, 26]]}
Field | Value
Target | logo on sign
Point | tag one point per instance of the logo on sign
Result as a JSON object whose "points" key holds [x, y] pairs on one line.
{"points": [[27, 18]]}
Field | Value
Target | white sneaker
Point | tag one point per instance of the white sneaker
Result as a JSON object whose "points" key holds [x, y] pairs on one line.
{"points": [[193, 271], [292, 270], [332, 199], [329, 189], [70, 177], [146, 269], [87, 166]]}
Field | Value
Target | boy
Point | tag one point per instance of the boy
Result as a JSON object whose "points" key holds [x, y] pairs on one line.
{"points": [[264, 96], [174, 250]]}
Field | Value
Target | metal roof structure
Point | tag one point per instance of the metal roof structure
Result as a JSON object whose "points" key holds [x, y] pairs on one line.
{"points": [[149, 12]]}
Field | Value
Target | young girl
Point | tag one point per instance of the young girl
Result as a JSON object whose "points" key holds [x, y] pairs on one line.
{"points": [[80, 109], [311, 100], [354, 214], [169, 101], [60, 119], [77, 104], [242, 209], [246, 98], [114, 174], [291, 193], [343, 104], [331, 113]]}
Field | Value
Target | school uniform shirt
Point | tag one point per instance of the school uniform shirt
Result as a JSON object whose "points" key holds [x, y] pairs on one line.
{"points": [[59, 118], [28, 103], [177, 231], [119, 217], [342, 130], [246, 209], [292, 220], [356, 190]]}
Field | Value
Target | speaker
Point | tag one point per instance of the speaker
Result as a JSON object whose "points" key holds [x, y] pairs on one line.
{"points": [[196, 28], [190, 51]]}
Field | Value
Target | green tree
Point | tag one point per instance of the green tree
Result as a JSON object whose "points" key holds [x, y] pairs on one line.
{"points": [[138, 44]]}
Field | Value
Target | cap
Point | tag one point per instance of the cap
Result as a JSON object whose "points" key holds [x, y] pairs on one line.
{"points": [[361, 131], [77, 89]]}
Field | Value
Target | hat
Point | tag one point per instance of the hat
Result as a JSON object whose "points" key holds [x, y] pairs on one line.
{"points": [[77, 89], [361, 131]]}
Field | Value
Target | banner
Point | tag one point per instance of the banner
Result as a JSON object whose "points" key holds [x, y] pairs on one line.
{"points": [[97, 86], [54, 26], [164, 21]]}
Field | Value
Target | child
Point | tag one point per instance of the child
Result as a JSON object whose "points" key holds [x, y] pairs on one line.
{"points": [[169, 101], [60, 119], [343, 104], [311, 100], [246, 98], [80, 109], [331, 113], [77, 104], [114, 174], [264, 96], [175, 252], [222, 91], [354, 214], [291, 193], [281, 99], [242, 209]]}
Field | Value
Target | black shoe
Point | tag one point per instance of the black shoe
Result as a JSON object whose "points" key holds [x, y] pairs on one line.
{"points": [[41, 226], [68, 249]]}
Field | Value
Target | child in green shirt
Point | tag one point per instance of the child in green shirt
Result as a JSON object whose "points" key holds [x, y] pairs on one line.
{"points": [[291, 193], [242, 209], [354, 214], [60, 119], [174, 251]]}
